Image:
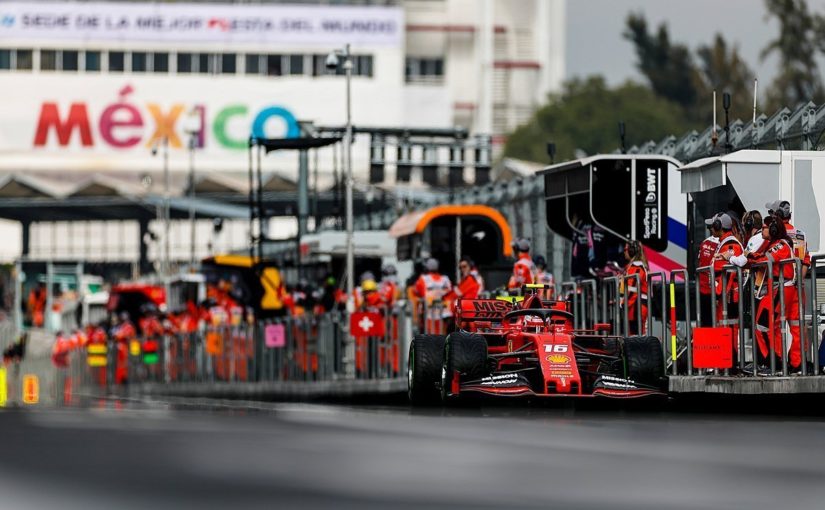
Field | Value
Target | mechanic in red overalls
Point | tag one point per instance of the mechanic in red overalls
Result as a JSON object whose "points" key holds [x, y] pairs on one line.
{"points": [[388, 286], [636, 265], [707, 251], [799, 244], [523, 269], [729, 246], [471, 284], [60, 350], [37, 305], [122, 334], [367, 299], [433, 287], [97, 335], [779, 248], [390, 293]]}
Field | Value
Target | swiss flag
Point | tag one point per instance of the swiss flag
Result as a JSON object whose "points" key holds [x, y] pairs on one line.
{"points": [[366, 324]]}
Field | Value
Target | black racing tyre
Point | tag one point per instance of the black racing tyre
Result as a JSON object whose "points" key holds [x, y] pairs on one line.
{"points": [[644, 361], [424, 369], [466, 353]]}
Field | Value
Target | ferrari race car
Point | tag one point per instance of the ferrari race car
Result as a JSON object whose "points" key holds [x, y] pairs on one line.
{"points": [[529, 348]]}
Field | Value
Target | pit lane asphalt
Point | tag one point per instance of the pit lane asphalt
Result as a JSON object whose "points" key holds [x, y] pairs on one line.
{"points": [[237, 456]]}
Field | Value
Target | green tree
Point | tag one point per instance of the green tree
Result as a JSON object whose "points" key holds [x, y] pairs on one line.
{"points": [[668, 67], [800, 35], [586, 116], [674, 74], [721, 68]]}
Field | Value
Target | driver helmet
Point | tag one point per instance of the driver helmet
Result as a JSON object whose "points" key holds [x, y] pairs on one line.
{"points": [[534, 321]]}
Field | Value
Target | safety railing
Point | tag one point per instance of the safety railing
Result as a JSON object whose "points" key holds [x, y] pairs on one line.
{"points": [[570, 292], [432, 318], [675, 352], [304, 348], [769, 317], [611, 303], [586, 304], [639, 314], [674, 307], [657, 284]]}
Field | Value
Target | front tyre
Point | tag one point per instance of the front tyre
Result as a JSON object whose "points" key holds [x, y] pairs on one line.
{"points": [[465, 353], [644, 361], [424, 369]]}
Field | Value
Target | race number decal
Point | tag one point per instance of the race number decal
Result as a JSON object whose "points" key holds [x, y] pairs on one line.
{"points": [[555, 348]]}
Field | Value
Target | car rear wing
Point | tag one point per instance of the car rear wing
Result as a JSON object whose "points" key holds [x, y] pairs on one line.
{"points": [[470, 310]]}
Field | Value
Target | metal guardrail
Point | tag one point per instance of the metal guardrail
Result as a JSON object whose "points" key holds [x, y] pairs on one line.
{"points": [[307, 348], [674, 315], [432, 318], [625, 280], [312, 348], [674, 322]]}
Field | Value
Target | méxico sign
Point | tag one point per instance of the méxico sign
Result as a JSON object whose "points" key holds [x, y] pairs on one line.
{"points": [[123, 124], [109, 122], [202, 23]]}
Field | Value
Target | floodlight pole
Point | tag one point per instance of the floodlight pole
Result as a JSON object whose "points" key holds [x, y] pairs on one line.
{"points": [[167, 261], [163, 210], [348, 179], [192, 143]]}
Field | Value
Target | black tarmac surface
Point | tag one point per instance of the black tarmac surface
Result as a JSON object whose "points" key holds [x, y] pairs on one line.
{"points": [[238, 456]]}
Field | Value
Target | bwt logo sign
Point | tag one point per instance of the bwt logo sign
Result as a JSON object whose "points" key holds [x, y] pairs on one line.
{"points": [[7, 20]]}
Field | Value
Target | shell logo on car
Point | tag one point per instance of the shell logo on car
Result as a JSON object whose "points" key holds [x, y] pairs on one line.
{"points": [[558, 358]]}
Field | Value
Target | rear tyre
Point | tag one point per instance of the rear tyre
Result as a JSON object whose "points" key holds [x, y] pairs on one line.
{"points": [[644, 361], [465, 353], [424, 369]]}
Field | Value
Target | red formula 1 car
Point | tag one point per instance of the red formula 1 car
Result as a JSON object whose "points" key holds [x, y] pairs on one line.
{"points": [[530, 349]]}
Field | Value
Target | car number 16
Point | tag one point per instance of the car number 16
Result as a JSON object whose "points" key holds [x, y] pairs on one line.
{"points": [[555, 348]]}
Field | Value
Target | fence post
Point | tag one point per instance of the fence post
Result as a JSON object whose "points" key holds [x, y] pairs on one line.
{"points": [[626, 313], [610, 303], [815, 337], [688, 325], [404, 339], [754, 324], [800, 295], [783, 320], [771, 349], [663, 301], [572, 285], [741, 318], [594, 308]]}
